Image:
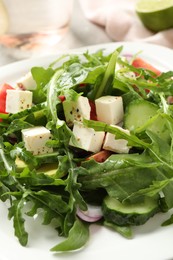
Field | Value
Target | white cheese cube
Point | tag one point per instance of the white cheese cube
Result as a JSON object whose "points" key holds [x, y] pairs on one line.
{"points": [[76, 110], [116, 145], [27, 82], [109, 109], [18, 100], [86, 138], [35, 139]]}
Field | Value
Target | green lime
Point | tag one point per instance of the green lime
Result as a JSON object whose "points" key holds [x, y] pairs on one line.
{"points": [[156, 15]]}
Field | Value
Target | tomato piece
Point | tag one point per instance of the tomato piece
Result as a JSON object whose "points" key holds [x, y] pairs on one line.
{"points": [[62, 98], [93, 115], [3, 94], [140, 63], [82, 85], [100, 156]]}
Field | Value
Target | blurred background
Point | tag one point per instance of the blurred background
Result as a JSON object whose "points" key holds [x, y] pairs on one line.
{"points": [[81, 33], [90, 23]]}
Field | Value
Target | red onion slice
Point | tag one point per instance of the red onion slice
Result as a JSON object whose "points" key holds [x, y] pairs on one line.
{"points": [[127, 56], [92, 214]]}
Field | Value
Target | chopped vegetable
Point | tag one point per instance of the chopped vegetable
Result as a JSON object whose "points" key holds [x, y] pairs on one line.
{"points": [[3, 94], [140, 63], [125, 214]]}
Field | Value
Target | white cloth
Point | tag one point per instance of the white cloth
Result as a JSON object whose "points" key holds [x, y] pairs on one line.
{"points": [[121, 23]]}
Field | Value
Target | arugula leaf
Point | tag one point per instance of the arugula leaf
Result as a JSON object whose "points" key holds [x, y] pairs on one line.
{"points": [[97, 58], [152, 190], [73, 187], [160, 149], [124, 231], [52, 97], [34, 116], [31, 179], [4, 116], [52, 201], [48, 214], [168, 221], [4, 190], [106, 84], [8, 164], [17, 125], [112, 175], [15, 211], [101, 126], [165, 75], [42, 77], [19, 151], [78, 236], [78, 73]]}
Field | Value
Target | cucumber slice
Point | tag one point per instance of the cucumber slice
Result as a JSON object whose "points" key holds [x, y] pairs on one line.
{"points": [[138, 113], [139, 116], [127, 213]]}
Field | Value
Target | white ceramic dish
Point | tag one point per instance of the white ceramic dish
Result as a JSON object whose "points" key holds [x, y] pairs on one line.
{"points": [[150, 242]]}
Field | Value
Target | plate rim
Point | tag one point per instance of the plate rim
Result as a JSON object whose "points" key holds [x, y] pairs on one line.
{"points": [[89, 48]]}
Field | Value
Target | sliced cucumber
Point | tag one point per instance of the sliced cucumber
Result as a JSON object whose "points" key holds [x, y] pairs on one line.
{"points": [[141, 115], [129, 214], [138, 113]]}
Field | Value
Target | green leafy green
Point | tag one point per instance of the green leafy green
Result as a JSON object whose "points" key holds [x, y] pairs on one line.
{"points": [[18, 221], [78, 236], [106, 83], [42, 77], [124, 231]]}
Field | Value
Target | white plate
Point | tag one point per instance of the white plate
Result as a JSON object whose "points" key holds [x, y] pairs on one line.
{"points": [[150, 242]]}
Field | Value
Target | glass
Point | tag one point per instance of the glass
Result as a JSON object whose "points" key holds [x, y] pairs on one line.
{"points": [[33, 27]]}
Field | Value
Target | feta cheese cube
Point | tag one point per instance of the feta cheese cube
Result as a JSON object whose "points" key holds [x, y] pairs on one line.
{"points": [[109, 109], [35, 139], [18, 100], [76, 110], [116, 145], [27, 82], [86, 138]]}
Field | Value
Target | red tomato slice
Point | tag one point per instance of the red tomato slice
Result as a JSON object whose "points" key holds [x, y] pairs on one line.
{"points": [[3, 94], [140, 63], [82, 85], [62, 98], [100, 156], [93, 115]]}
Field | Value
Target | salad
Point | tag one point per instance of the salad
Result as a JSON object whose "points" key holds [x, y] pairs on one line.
{"points": [[87, 139]]}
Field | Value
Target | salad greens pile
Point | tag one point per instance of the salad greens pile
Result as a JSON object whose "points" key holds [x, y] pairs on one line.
{"points": [[147, 171]]}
